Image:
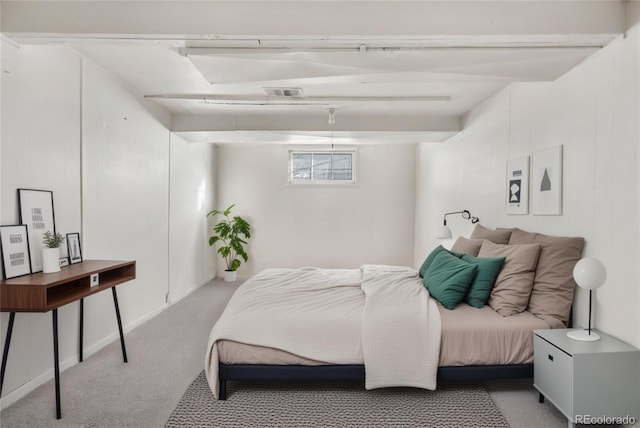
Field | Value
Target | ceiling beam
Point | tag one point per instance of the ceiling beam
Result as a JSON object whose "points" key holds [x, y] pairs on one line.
{"points": [[391, 45], [264, 20], [315, 122], [300, 101], [317, 139]]}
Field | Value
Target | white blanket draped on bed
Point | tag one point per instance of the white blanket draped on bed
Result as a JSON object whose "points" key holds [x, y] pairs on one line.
{"points": [[381, 315]]}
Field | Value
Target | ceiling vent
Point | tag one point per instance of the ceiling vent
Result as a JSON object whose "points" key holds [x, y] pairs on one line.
{"points": [[284, 92]]}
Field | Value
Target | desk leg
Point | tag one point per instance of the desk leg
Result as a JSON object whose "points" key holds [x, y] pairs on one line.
{"points": [[115, 303], [56, 362], [81, 332], [5, 353]]}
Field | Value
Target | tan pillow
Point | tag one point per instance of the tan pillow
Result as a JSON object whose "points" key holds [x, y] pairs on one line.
{"points": [[500, 236], [510, 294], [467, 246], [519, 237], [553, 286]]}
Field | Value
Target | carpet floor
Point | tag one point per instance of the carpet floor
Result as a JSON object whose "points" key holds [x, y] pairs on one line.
{"points": [[167, 353], [328, 405]]}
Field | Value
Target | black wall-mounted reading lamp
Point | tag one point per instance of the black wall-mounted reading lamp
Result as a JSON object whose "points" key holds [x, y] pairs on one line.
{"points": [[445, 232]]}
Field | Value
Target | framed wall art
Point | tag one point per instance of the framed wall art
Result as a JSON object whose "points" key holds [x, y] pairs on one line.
{"points": [[73, 247], [36, 212], [546, 181], [518, 186], [14, 246]]}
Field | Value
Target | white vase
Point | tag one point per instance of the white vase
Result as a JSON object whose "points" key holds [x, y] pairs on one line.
{"points": [[50, 260], [229, 275]]}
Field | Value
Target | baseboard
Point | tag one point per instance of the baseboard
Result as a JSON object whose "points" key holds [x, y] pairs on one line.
{"points": [[87, 352], [26, 388], [46, 376], [173, 300], [239, 278]]}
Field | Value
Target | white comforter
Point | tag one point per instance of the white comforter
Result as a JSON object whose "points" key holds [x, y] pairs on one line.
{"points": [[381, 315]]}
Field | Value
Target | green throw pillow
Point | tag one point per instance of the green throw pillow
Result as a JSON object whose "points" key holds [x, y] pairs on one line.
{"points": [[488, 270], [448, 278], [427, 262]]}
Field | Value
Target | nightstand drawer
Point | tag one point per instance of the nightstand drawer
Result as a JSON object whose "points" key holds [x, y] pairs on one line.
{"points": [[553, 374]]}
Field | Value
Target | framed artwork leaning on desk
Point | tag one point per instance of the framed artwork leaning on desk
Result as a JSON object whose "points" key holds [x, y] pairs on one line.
{"points": [[15, 251], [73, 247], [36, 211]]}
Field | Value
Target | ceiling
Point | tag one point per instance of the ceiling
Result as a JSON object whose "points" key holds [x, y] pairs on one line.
{"points": [[390, 71]]}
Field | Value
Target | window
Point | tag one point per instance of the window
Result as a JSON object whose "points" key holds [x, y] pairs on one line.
{"points": [[322, 167]]}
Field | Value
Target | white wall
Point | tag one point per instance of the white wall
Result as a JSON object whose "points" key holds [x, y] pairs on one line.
{"points": [[192, 190], [119, 178], [125, 197], [323, 226], [40, 150], [593, 112]]}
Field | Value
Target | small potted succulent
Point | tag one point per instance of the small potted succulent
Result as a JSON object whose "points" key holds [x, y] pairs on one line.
{"points": [[51, 251], [228, 233]]}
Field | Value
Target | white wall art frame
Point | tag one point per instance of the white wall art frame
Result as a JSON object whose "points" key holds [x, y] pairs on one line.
{"points": [[36, 211], [546, 181], [518, 186]]}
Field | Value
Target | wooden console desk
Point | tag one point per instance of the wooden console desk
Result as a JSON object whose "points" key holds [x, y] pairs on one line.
{"points": [[44, 292]]}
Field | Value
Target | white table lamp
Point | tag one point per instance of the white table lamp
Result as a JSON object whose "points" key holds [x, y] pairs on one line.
{"points": [[589, 274]]}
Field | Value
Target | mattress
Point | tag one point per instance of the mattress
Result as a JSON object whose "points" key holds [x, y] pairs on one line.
{"points": [[470, 336]]}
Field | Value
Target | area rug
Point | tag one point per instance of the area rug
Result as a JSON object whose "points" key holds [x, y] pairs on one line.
{"points": [[327, 405]]}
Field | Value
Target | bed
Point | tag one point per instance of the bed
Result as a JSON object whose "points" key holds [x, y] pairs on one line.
{"points": [[396, 326]]}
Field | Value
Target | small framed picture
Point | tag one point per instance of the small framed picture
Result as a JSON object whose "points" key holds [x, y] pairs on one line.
{"points": [[518, 185], [64, 261], [73, 246], [15, 251]]}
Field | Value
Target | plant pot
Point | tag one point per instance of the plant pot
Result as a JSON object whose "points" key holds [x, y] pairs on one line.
{"points": [[50, 260], [230, 275]]}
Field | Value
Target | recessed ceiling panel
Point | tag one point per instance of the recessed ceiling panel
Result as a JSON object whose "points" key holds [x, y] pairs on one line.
{"points": [[253, 66]]}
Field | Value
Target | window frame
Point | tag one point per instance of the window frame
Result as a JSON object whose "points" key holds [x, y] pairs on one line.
{"points": [[311, 182]]}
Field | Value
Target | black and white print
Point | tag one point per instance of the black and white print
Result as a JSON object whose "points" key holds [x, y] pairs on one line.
{"points": [[518, 186], [15, 251]]}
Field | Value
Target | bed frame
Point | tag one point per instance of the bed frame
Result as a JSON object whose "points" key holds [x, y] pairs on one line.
{"points": [[355, 372], [262, 372]]}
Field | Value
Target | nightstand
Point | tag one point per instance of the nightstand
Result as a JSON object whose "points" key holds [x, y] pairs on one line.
{"points": [[589, 382]]}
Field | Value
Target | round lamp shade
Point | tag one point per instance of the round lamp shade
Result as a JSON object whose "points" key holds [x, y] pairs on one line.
{"points": [[589, 273], [443, 233]]}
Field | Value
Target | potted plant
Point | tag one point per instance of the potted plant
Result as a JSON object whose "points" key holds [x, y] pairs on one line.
{"points": [[51, 251], [229, 234]]}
